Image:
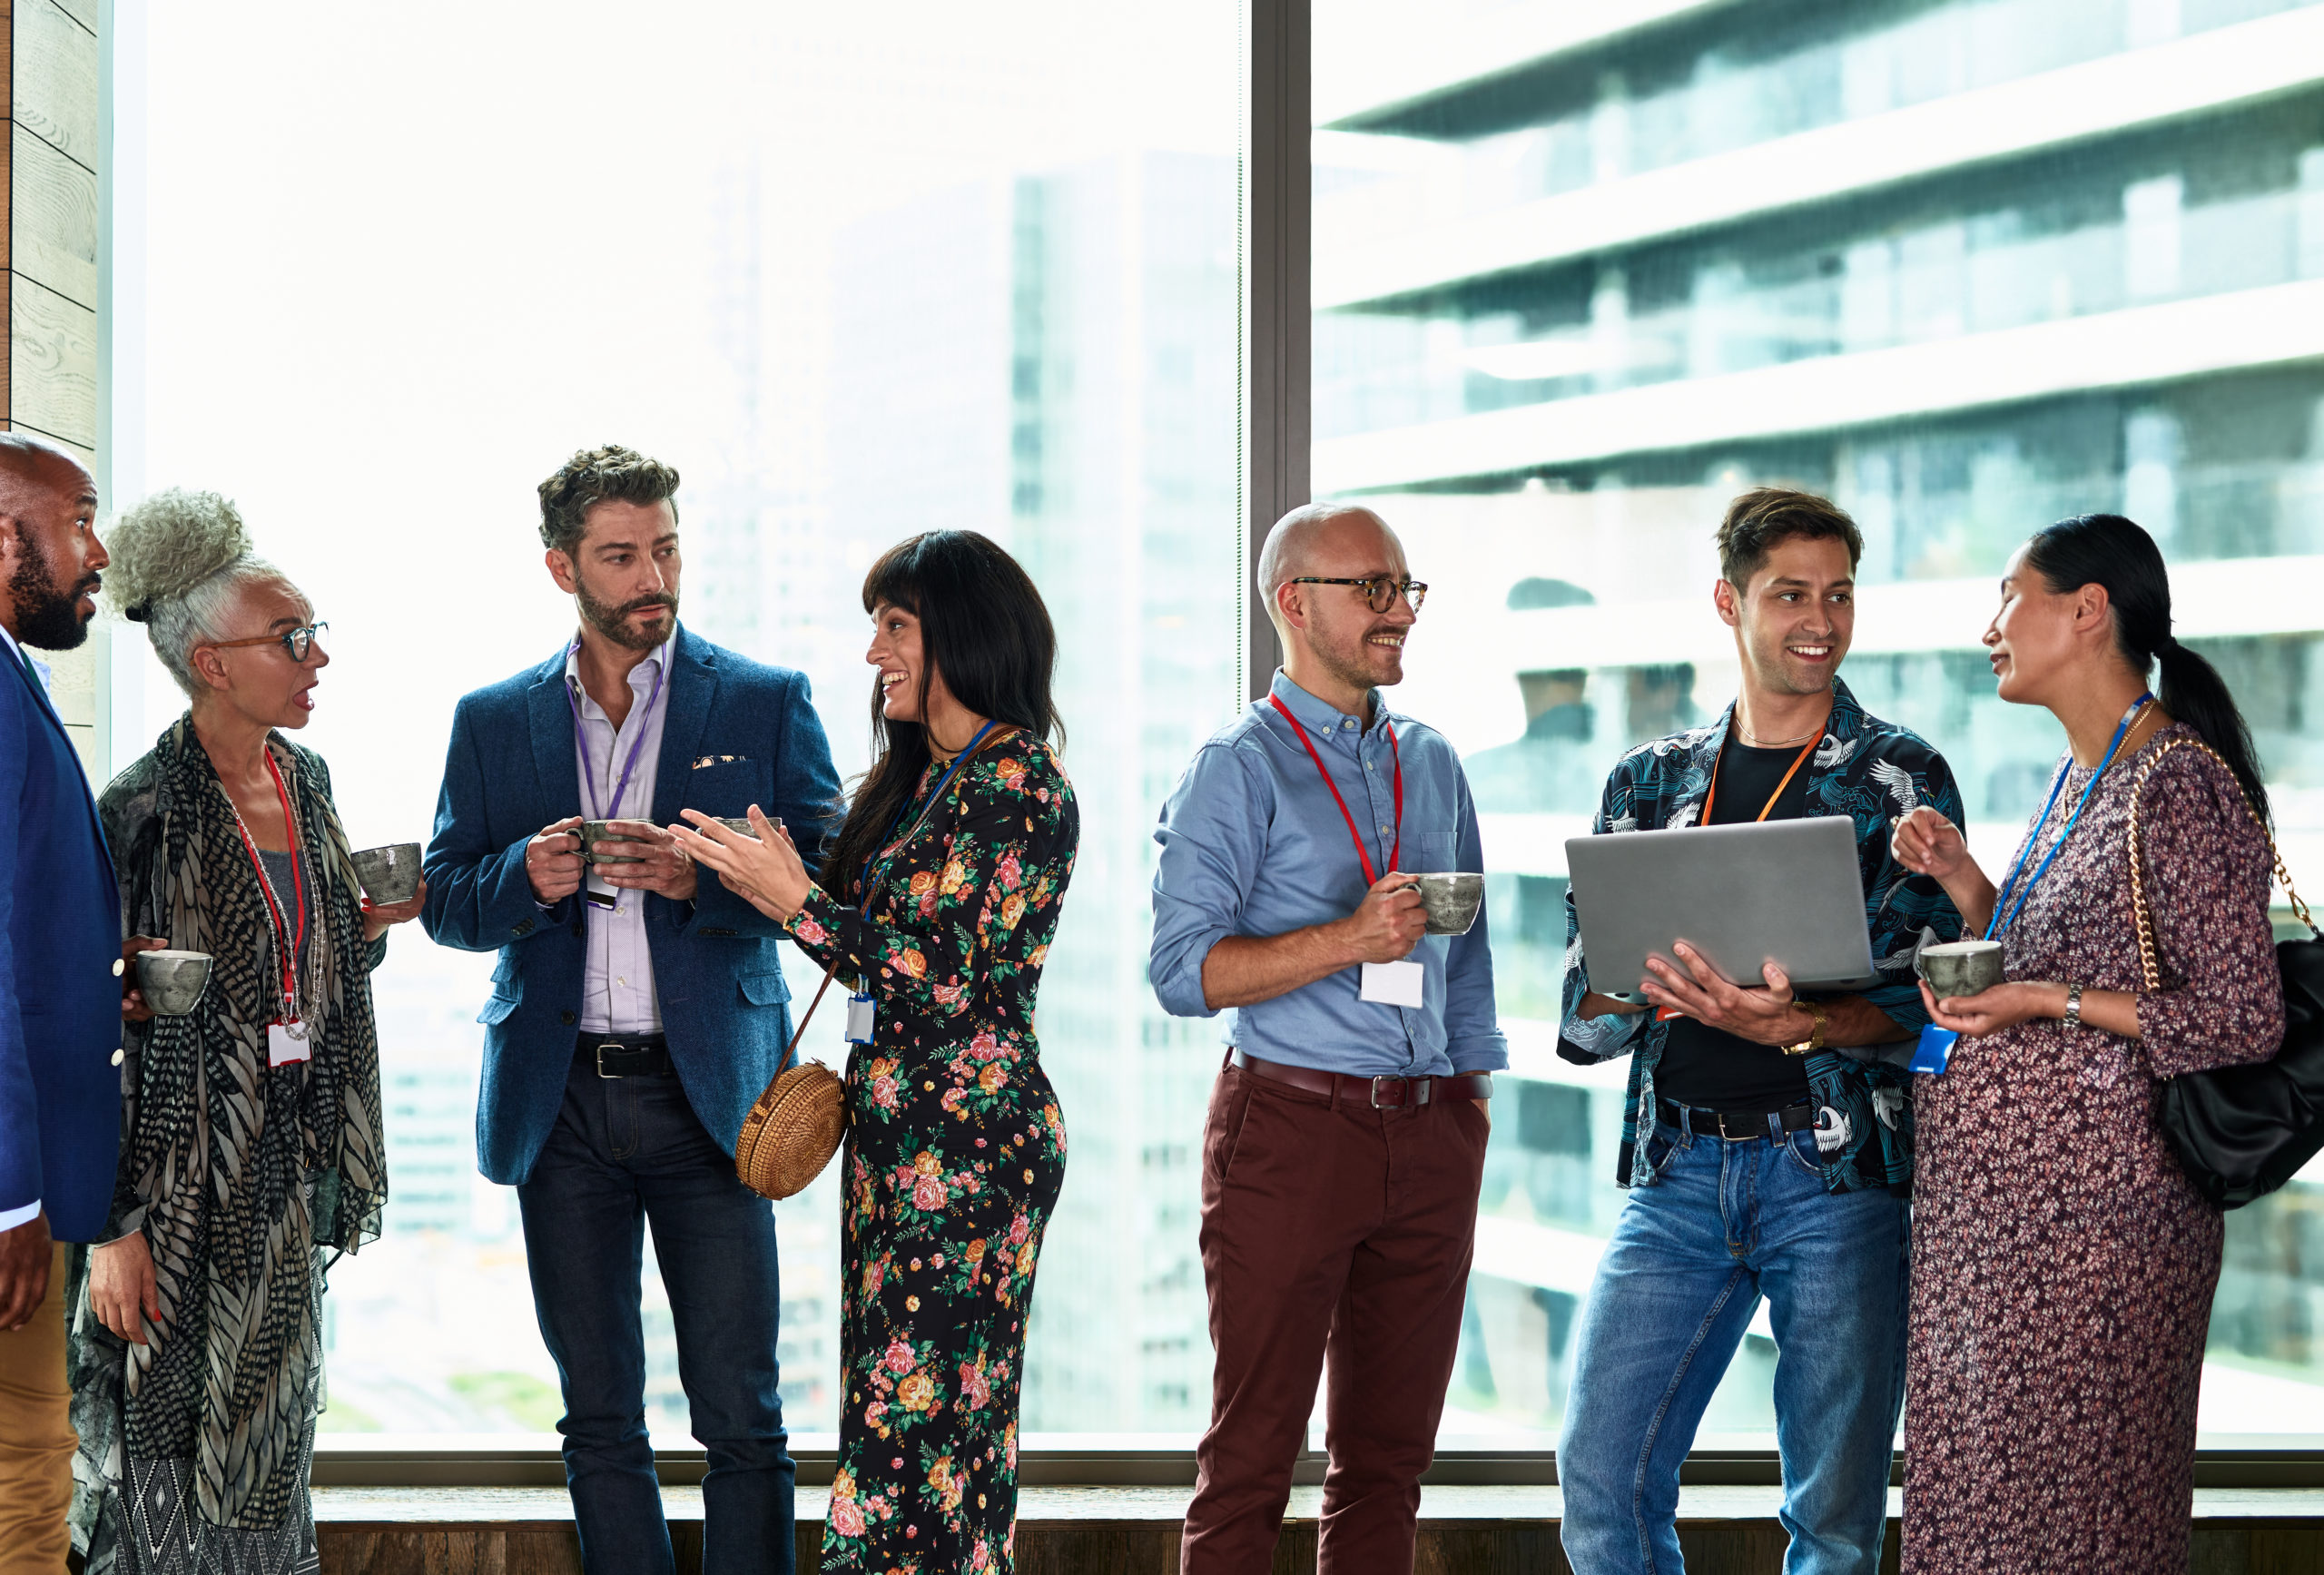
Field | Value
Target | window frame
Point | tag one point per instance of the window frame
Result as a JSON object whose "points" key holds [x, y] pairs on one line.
{"points": [[1275, 373]]}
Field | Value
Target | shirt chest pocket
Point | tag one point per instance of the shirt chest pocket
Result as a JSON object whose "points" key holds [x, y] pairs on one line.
{"points": [[1427, 852]]}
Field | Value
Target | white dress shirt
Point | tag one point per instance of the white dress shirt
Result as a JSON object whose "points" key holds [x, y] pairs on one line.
{"points": [[617, 993]]}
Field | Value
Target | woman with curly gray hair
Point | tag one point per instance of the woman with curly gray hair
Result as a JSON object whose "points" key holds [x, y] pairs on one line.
{"points": [[250, 1140]]}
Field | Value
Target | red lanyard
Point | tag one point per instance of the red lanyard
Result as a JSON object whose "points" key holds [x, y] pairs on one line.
{"points": [[1369, 879], [287, 955], [1806, 750]]}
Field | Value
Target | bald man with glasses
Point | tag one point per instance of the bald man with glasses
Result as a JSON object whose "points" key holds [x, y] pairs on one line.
{"points": [[1347, 1134]]}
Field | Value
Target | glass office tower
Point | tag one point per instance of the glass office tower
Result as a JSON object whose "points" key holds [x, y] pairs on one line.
{"points": [[1582, 273]]}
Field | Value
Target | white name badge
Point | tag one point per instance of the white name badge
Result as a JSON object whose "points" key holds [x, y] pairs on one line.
{"points": [[598, 890], [1393, 983], [861, 1012], [286, 1043]]}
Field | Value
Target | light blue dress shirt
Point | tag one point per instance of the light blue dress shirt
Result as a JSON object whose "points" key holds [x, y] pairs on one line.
{"points": [[1253, 844]]}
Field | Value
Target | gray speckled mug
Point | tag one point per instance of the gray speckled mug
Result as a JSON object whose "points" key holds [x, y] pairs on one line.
{"points": [[1452, 900], [389, 874], [1959, 968], [173, 980]]}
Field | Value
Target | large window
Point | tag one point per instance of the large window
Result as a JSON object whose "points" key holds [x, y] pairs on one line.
{"points": [[856, 274], [1583, 273]]}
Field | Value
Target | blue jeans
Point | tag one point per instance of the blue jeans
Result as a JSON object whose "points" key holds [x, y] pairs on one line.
{"points": [[1726, 1224], [627, 1150]]}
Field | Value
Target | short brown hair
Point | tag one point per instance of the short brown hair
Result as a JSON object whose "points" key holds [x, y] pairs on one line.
{"points": [[595, 475], [1762, 519]]}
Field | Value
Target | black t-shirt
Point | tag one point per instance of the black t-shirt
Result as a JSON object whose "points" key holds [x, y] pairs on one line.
{"points": [[1706, 1067]]}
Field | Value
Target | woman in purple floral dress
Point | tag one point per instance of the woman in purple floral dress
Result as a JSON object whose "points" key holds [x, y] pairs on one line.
{"points": [[2062, 1265], [955, 853]]}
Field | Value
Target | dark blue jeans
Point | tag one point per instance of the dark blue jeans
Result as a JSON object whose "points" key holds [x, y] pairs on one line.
{"points": [[627, 1150], [1724, 1225]]}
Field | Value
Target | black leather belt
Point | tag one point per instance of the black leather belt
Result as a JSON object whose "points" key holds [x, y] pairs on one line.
{"points": [[625, 1055], [1734, 1126]]}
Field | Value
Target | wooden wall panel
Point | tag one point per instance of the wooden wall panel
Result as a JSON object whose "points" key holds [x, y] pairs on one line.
{"points": [[54, 208], [53, 363], [84, 11], [54, 94]]}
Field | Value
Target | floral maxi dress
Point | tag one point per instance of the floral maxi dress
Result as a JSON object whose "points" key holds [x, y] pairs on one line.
{"points": [[2062, 1263], [955, 1153]]}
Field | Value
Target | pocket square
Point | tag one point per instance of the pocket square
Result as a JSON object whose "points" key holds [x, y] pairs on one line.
{"points": [[709, 760]]}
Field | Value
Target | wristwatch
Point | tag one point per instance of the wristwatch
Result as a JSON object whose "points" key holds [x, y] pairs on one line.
{"points": [[1814, 1041], [2072, 1019]]}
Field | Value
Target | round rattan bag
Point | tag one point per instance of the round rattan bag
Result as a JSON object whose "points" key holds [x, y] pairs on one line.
{"points": [[792, 1131]]}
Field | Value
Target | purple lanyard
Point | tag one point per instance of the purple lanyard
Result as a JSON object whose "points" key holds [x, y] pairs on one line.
{"points": [[613, 810]]}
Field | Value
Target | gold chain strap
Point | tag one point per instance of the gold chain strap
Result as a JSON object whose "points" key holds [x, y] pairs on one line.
{"points": [[2147, 963]]}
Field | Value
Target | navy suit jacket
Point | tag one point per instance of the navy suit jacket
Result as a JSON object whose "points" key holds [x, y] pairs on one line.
{"points": [[737, 733], [60, 1001]]}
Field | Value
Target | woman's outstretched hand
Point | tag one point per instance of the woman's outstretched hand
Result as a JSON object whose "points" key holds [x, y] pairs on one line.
{"points": [[1926, 843], [765, 872]]}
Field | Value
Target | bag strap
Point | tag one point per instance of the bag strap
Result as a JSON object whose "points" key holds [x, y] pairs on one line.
{"points": [[2138, 903], [792, 1050]]}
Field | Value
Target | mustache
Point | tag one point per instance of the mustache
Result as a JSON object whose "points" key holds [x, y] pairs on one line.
{"points": [[658, 599]]}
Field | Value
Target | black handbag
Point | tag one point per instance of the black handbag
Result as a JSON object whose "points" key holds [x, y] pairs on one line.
{"points": [[2241, 1132]]}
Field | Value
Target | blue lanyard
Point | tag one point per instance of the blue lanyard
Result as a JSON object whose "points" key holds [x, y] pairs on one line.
{"points": [[892, 846], [1997, 926], [645, 724]]}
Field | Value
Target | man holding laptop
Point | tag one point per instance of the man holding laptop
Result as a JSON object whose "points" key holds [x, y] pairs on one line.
{"points": [[1768, 1142]]}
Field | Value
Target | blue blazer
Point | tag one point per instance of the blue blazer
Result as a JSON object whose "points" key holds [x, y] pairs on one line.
{"points": [[510, 771], [59, 1001]]}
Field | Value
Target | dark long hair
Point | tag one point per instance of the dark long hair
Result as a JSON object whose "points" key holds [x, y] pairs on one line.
{"points": [[983, 627], [2105, 549]]}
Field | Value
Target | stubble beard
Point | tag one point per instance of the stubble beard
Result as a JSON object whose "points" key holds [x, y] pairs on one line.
{"points": [[46, 619], [1348, 664], [612, 621]]}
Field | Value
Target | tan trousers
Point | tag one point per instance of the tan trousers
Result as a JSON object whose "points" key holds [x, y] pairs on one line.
{"points": [[37, 1438]]}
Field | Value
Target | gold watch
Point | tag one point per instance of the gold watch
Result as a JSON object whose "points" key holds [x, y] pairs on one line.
{"points": [[1815, 1041]]}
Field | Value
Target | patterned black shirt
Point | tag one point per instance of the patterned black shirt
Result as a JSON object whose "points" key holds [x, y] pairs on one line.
{"points": [[1872, 771]]}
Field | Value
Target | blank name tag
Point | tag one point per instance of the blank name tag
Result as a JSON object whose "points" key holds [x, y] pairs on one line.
{"points": [[282, 1048], [860, 1014], [1393, 983]]}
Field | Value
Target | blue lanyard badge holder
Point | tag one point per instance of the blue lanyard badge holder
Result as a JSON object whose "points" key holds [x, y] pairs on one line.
{"points": [[862, 1010], [1934, 1051]]}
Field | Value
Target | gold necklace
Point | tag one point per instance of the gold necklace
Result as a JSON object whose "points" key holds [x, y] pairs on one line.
{"points": [[1754, 740]]}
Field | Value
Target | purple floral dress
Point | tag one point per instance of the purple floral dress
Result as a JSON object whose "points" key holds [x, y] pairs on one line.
{"points": [[955, 1153], [2062, 1266]]}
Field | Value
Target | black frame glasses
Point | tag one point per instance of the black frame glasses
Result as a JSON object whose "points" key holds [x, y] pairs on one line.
{"points": [[1414, 591], [299, 641]]}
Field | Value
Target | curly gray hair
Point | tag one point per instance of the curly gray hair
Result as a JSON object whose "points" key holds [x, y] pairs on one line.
{"points": [[179, 560]]}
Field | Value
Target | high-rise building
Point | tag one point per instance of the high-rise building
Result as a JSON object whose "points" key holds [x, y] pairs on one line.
{"points": [[1968, 266], [1051, 360]]}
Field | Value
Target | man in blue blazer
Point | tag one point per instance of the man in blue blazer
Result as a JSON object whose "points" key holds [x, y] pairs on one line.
{"points": [[60, 993], [638, 1010]]}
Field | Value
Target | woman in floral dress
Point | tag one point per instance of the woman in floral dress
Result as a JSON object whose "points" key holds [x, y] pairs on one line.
{"points": [[944, 887], [2062, 1263]]}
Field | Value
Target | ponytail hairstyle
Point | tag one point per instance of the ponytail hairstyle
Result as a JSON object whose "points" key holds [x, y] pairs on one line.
{"points": [[2105, 549], [984, 627]]}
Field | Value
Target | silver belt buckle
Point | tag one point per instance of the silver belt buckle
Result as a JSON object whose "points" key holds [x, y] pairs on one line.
{"points": [[1399, 1104], [601, 1059]]}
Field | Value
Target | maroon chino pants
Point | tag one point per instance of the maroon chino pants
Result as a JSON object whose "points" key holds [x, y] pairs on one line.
{"points": [[1327, 1226]]}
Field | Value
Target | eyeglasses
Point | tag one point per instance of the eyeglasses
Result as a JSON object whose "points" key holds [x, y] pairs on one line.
{"points": [[1379, 594], [299, 641]]}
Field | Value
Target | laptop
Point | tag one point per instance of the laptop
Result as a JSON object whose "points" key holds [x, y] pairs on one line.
{"points": [[1783, 891]]}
